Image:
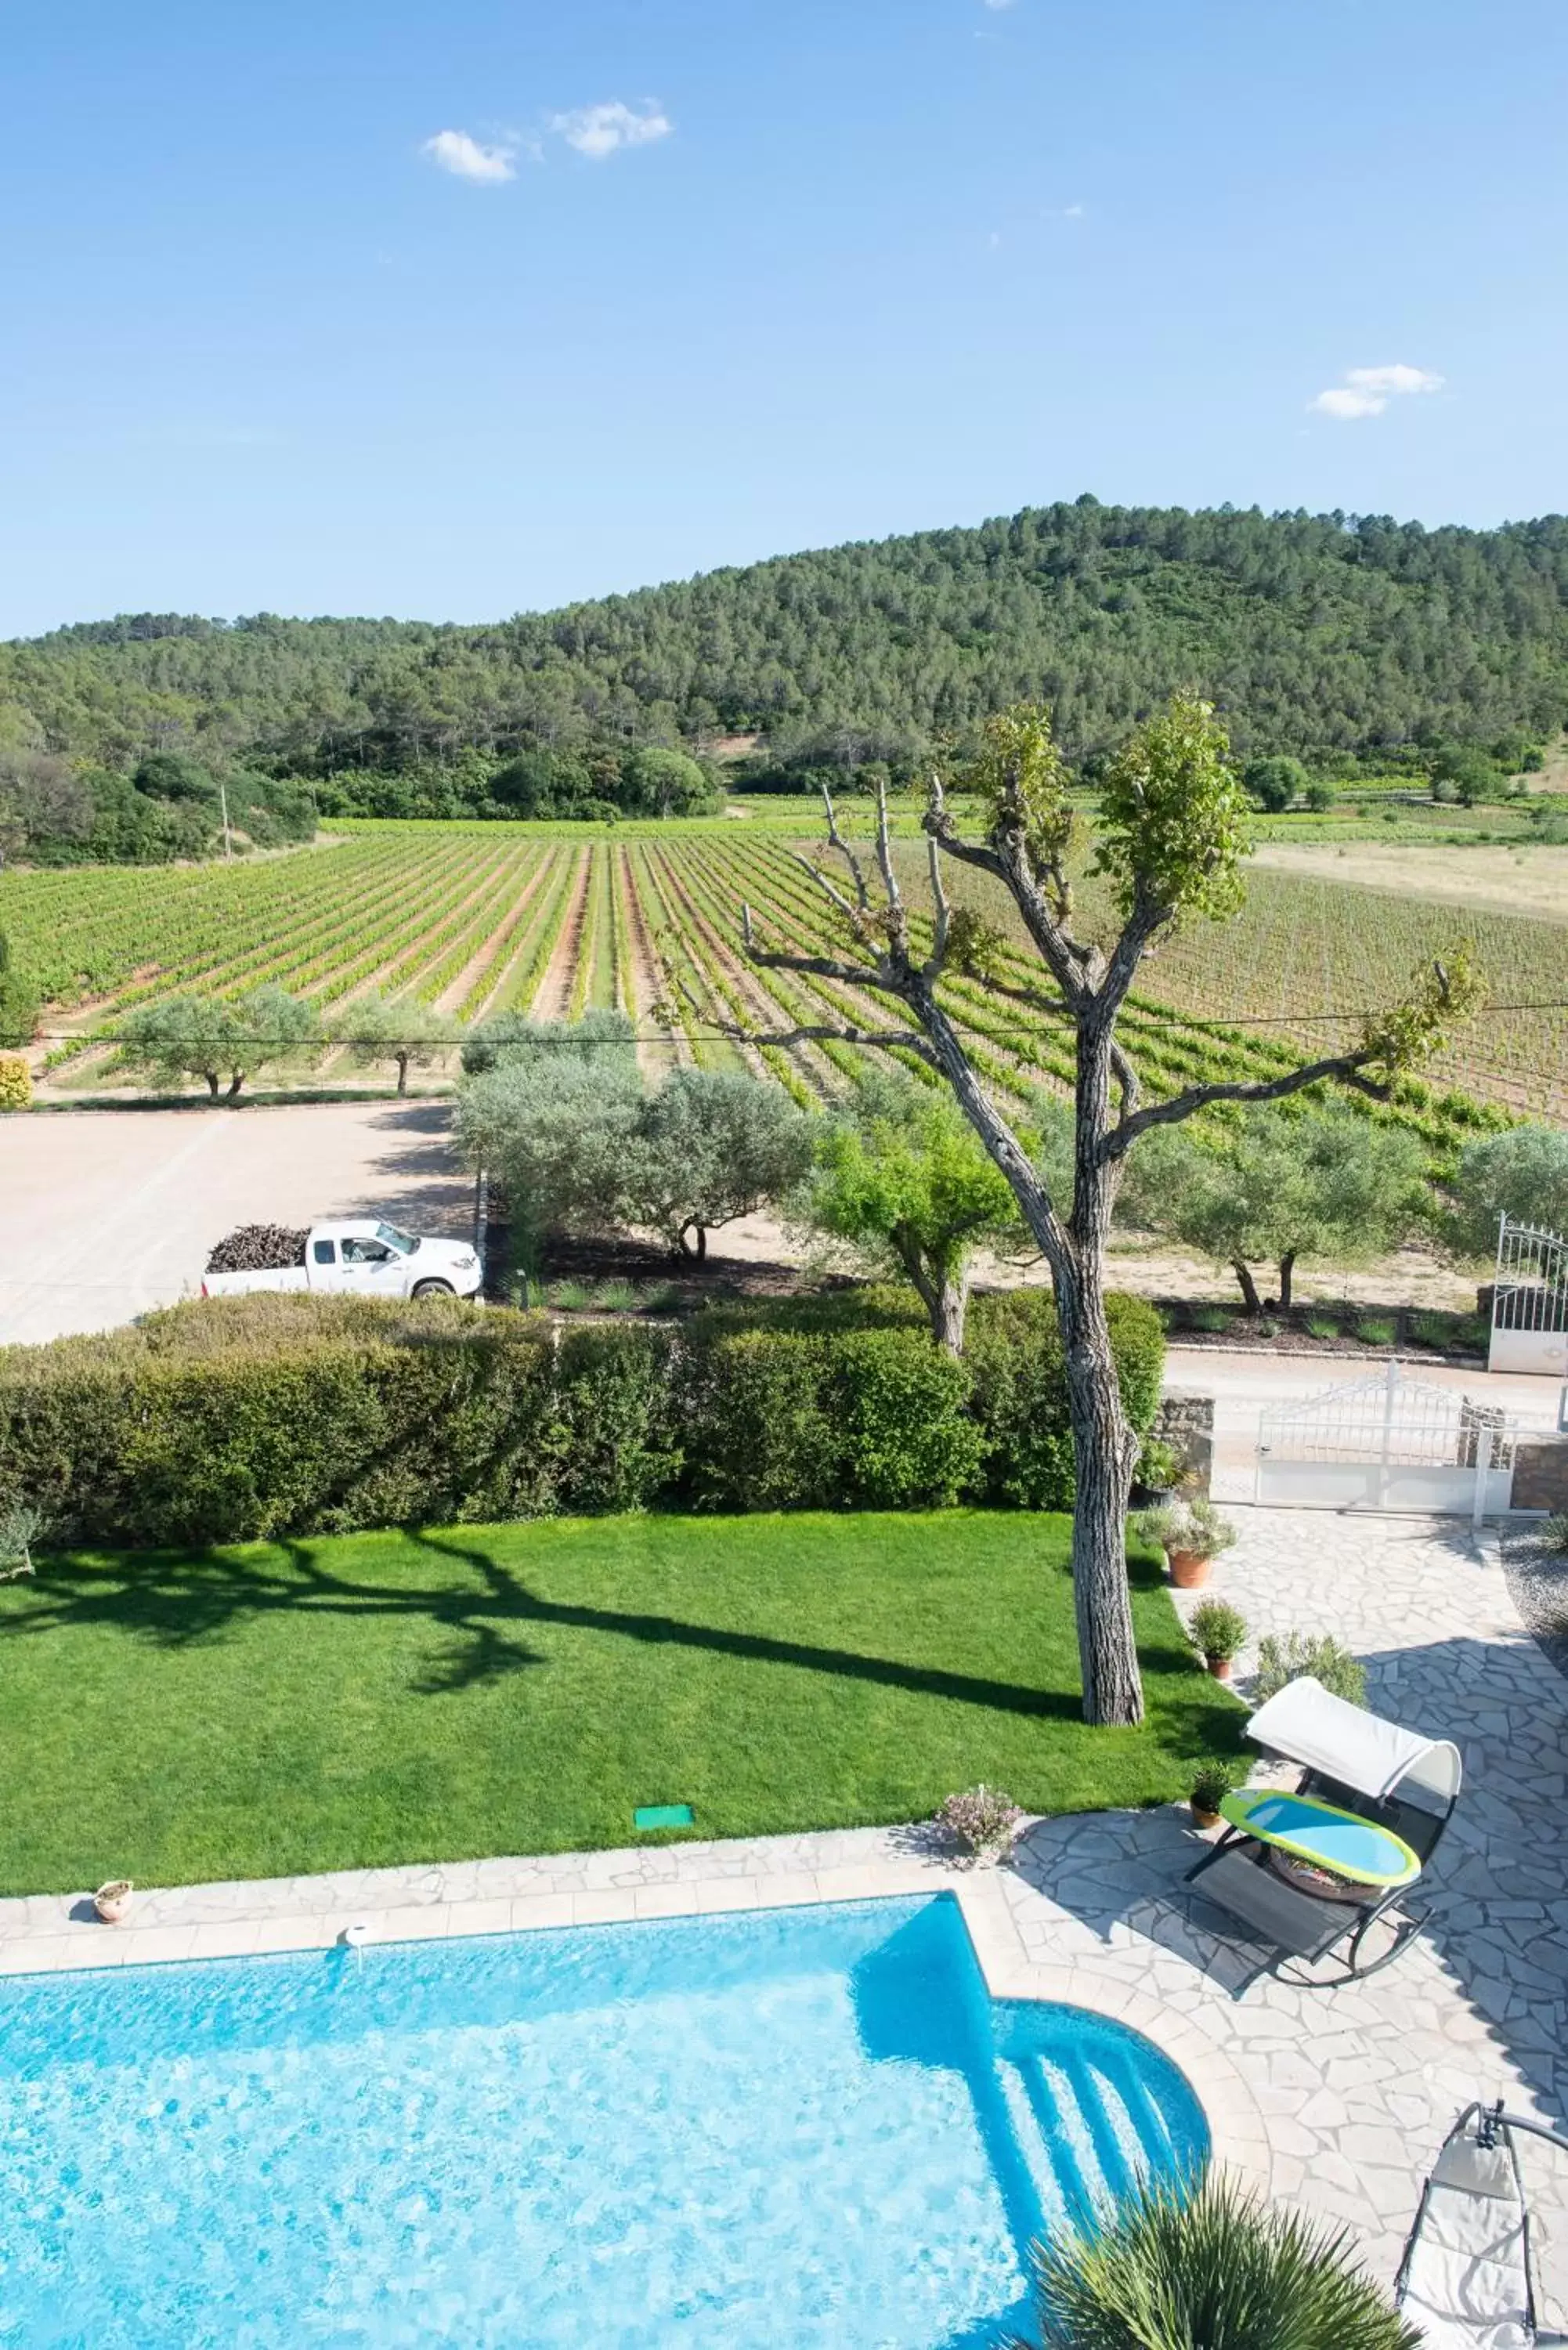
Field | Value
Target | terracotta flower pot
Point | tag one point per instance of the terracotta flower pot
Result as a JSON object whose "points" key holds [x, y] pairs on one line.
{"points": [[112, 1901], [1221, 1666], [1188, 1571], [1201, 1819]]}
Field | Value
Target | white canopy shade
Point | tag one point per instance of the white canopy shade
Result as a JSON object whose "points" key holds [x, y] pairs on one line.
{"points": [[1307, 1724]]}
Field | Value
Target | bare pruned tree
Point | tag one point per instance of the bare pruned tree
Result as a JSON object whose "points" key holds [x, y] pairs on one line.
{"points": [[1172, 830]]}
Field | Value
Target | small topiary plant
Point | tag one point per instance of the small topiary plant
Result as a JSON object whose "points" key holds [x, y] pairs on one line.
{"points": [[1299, 1654], [1218, 1630], [983, 1821], [15, 1082], [1211, 1786]]}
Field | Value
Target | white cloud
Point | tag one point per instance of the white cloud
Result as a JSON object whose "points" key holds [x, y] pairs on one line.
{"points": [[1394, 378], [1367, 391], [596, 132], [456, 152], [1345, 403]]}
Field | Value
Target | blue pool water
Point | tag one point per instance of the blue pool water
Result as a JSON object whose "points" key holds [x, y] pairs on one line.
{"points": [[764, 2131]]}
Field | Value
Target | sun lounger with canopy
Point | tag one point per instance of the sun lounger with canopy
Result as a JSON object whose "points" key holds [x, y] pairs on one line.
{"points": [[1370, 1809]]}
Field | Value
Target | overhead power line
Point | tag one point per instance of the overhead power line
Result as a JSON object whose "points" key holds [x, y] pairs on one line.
{"points": [[770, 1036]]}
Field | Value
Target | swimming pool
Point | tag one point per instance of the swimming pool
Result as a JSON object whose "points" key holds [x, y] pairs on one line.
{"points": [[775, 2128]]}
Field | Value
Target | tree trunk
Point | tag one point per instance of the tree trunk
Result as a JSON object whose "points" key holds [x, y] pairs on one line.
{"points": [[684, 1246], [402, 1061], [946, 1301], [212, 1077], [236, 1082], [1287, 1268], [1105, 1455], [1105, 1447], [1243, 1272]]}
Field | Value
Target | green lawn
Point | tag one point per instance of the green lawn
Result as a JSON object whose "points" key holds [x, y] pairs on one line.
{"points": [[395, 1697]]}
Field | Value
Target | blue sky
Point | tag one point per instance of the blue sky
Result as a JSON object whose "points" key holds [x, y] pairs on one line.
{"points": [[714, 279]]}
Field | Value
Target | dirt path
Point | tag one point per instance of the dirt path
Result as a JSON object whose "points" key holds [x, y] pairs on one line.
{"points": [[456, 990], [668, 1047], [656, 1052], [1529, 880], [554, 992]]}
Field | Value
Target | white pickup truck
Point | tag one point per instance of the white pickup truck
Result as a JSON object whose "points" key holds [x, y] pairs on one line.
{"points": [[367, 1258]]}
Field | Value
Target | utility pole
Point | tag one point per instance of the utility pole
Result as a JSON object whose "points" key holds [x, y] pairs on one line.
{"points": [[224, 796]]}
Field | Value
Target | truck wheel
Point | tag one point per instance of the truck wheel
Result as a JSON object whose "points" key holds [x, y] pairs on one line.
{"points": [[432, 1289]]}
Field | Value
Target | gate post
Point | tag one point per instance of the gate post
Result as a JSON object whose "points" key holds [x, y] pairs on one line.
{"points": [[1483, 1470], [1390, 1396]]}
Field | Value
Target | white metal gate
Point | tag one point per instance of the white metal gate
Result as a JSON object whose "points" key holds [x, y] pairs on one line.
{"points": [[1387, 1442], [1529, 1302]]}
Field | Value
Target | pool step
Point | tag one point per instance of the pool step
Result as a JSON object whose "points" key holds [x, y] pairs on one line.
{"points": [[1092, 2130]]}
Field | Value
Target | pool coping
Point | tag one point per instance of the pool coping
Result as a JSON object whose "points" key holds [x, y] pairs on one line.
{"points": [[48, 1934]]}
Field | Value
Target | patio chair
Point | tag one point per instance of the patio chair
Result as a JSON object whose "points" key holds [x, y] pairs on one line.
{"points": [[1356, 1759], [1467, 2277]]}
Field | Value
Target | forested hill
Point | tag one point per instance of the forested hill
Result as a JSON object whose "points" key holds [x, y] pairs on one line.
{"points": [[1312, 634]]}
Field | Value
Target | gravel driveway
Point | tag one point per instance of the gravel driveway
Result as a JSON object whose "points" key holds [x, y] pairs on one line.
{"points": [[104, 1213]]}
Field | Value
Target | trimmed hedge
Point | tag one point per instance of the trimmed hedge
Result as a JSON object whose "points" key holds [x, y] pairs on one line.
{"points": [[873, 1419], [1013, 1350], [243, 1418]]}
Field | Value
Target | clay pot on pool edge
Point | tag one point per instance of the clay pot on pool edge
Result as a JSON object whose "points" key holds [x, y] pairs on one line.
{"points": [[112, 1901]]}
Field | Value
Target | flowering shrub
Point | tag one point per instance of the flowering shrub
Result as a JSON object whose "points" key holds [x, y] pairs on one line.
{"points": [[15, 1082], [983, 1820]]}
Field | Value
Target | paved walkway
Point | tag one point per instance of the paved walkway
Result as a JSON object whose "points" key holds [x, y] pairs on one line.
{"points": [[1358, 2084], [1337, 2098]]}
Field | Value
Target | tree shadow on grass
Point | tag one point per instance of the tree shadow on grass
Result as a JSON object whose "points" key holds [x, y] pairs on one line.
{"points": [[182, 1599]]}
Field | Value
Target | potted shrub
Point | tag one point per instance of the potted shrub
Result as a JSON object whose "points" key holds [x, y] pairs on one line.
{"points": [[1217, 1630], [1317, 1654], [1191, 1533], [1158, 1473], [112, 1901], [984, 1821], [1210, 1786]]}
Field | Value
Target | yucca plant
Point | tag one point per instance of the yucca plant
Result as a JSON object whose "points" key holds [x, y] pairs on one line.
{"points": [[1212, 2269]]}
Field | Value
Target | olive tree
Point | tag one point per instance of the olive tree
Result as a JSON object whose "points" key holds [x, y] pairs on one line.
{"points": [[1172, 829], [560, 1114], [712, 1144], [1522, 1174], [215, 1039], [902, 1177], [1278, 1186], [552, 1111], [399, 1029]]}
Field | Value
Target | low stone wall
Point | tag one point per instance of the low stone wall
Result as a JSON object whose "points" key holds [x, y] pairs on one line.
{"points": [[1185, 1421], [1541, 1473]]}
